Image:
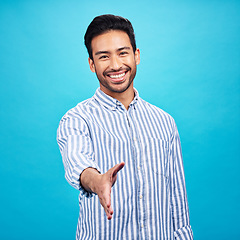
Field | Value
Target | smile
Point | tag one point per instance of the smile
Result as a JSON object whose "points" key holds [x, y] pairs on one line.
{"points": [[117, 75]]}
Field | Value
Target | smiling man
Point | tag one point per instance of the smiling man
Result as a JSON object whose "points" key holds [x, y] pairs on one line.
{"points": [[114, 62], [122, 153]]}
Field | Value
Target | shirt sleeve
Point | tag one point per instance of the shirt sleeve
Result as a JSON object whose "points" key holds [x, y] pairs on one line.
{"points": [[76, 148], [179, 203]]}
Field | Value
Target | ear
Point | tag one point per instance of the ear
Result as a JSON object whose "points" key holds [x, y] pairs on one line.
{"points": [[91, 65], [137, 56]]}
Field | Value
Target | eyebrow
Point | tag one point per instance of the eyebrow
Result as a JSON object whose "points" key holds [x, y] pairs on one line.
{"points": [[123, 48], [101, 52], [106, 52]]}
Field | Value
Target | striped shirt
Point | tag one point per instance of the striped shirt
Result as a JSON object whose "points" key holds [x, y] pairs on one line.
{"points": [[149, 197]]}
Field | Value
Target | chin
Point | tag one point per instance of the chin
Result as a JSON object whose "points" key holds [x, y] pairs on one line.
{"points": [[120, 89]]}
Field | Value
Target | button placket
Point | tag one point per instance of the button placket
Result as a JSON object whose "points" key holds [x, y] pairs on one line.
{"points": [[136, 145]]}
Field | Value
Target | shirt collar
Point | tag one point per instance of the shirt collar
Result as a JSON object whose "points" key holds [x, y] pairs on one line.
{"points": [[112, 103]]}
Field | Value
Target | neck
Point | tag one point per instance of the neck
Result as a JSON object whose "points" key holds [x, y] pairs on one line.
{"points": [[125, 97]]}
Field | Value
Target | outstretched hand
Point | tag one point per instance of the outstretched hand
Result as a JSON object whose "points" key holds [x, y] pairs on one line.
{"points": [[101, 184], [104, 185]]}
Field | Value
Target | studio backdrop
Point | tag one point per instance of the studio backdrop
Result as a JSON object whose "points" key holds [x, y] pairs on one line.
{"points": [[190, 67]]}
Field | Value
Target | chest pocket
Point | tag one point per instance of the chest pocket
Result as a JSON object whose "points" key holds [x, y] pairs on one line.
{"points": [[156, 153]]}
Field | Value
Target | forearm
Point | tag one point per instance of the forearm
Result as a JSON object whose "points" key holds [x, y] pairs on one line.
{"points": [[88, 179], [180, 211], [76, 149]]}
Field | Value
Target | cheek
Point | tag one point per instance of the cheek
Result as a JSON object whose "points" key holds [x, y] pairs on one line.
{"points": [[131, 62], [100, 68]]}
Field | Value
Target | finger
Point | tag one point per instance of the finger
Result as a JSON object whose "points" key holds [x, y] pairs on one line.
{"points": [[105, 200], [108, 199], [109, 217], [108, 210], [117, 168], [107, 207], [110, 213], [114, 171]]}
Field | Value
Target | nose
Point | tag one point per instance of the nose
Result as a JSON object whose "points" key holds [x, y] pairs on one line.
{"points": [[115, 63]]}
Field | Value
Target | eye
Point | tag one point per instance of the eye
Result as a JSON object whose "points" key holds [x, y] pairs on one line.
{"points": [[123, 53], [103, 57]]}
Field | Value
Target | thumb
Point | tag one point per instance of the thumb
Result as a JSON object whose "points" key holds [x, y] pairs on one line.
{"points": [[117, 168], [114, 170]]}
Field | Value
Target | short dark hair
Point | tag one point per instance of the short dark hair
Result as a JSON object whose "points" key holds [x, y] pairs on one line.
{"points": [[105, 23]]}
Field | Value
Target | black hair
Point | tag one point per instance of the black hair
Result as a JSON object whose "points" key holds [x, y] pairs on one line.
{"points": [[105, 23]]}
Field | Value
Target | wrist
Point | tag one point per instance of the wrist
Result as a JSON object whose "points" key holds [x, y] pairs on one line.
{"points": [[89, 179]]}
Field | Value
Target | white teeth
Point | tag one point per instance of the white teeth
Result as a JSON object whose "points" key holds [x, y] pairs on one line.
{"points": [[117, 76]]}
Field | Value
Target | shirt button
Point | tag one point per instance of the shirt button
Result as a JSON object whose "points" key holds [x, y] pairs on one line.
{"points": [[134, 139], [113, 108], [142, 226], [138, 168], [140, 196]]}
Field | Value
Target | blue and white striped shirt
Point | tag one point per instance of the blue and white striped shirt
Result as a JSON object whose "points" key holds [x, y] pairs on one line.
{"points": [[149, 197]]}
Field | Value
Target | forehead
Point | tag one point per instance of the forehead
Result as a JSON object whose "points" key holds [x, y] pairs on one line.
{"points": [[110, 41]]}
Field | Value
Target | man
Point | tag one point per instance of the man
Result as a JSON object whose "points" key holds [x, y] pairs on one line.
{"points": [[117, 134]]}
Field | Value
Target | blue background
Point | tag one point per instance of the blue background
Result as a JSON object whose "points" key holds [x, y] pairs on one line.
{"points": [[190, 67]]}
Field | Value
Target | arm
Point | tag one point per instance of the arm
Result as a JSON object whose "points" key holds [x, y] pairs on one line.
{"points": [[81, 170], [101, 184], [76, 148], [179, 203]]}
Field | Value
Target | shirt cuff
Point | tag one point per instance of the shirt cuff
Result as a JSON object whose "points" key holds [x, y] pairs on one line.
{"points": [[184, 233], [73, 178]]}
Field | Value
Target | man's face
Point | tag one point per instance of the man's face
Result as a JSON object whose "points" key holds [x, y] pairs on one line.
{"points": [[114, 61]]}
